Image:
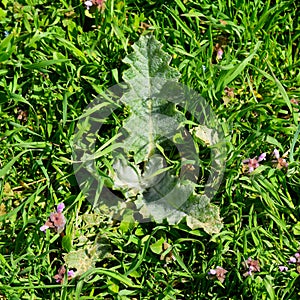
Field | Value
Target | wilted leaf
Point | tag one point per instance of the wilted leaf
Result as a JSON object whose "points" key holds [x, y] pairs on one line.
{"points": [[209, 220], [92, 219], [207, 135], [84, 259], [80, 260], [101, 249]]}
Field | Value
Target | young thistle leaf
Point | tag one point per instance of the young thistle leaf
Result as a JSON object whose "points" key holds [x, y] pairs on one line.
{"points": [[149, 71], [147, 62]]}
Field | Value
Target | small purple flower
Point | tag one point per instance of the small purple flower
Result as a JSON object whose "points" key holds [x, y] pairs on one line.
{"points": [[44, 228], [281, 162], [88, 4], [218, 51], [292, 260], [262, 157], [252, 265], [218, 273], [294, 101], [99, 4], [253, 163], [229, 92], [295, 260], [276, 153], [212, 272], [60, 207], [59, 277], [220, 54], [283, 268], [71, 274], [56, 220]]}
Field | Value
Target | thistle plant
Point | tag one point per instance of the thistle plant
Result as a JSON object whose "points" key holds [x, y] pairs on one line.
{"points": [[152, 138]]}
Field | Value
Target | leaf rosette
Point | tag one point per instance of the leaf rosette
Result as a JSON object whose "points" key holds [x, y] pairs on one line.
{"points": [[154, 160]]}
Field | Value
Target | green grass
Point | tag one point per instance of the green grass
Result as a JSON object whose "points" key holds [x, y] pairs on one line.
{"points": [[55, 60]]}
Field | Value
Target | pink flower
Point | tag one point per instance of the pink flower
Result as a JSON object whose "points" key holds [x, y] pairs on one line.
{"points": [[220, 54], [229, 92], [59, 277], [292, 260], [281, 162], [218, 51], [99, 3], [294, 101], [276, 153], [56, 220], [253, 163], [283, 268], [218, 273], [252, 265]]}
